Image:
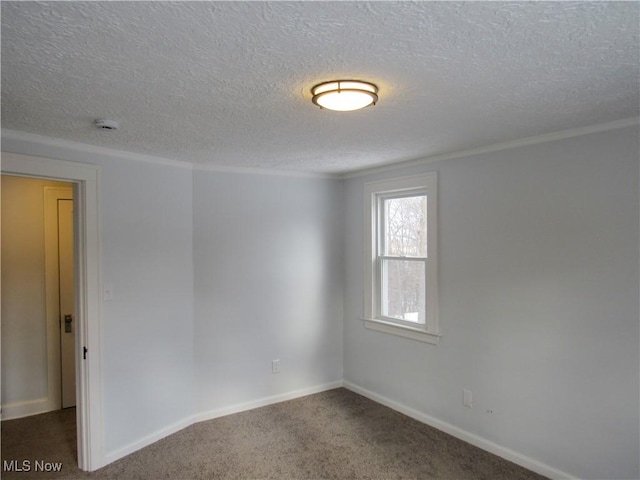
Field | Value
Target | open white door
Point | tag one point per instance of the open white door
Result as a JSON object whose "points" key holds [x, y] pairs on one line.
{"points": [[67, 303], [60, 296]]}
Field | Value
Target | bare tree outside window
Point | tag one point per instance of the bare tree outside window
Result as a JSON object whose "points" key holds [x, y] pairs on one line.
{"points": [[404, 254]]}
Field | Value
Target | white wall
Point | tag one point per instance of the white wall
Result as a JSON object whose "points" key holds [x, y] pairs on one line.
{"points": [[268, 285], [539, 304], [24, 323], [147, 253]]}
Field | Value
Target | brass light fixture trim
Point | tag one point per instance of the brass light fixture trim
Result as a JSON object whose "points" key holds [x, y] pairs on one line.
{"points": [[344, 95]]}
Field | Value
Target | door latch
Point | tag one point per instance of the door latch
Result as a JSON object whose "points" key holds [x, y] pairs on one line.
{"points": [[67, 323]]}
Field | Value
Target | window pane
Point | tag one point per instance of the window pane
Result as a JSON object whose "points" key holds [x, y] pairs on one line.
{"points": [[403, 289], [405, 226]]}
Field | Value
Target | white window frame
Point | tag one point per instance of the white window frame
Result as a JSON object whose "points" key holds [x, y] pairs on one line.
{"points": [[374, 195]]}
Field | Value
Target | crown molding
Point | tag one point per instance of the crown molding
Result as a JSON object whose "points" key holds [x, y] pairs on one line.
{"points": [[265, 171], [544, 138], [41, 140], [15, 135]]}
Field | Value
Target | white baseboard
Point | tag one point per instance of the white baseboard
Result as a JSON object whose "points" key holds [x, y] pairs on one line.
{"points": [[148, 440], [515, 457], [11, 411], [473, 439], [177, 426], [262, 402]]}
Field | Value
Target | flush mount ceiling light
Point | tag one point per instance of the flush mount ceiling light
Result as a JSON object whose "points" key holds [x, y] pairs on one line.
{"points": [[344, 95]]}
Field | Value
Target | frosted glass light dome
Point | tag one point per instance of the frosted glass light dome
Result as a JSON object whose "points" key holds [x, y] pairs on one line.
{"points": [[344, 95]]}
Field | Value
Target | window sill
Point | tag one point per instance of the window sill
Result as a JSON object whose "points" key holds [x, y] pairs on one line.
{"points": [[401, 331]]}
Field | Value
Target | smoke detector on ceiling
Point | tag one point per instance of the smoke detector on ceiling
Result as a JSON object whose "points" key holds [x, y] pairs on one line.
{"points": [[106, 124]]}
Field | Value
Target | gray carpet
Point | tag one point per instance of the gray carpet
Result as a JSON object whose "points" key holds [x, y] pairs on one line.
{"points": [[332, 435]]}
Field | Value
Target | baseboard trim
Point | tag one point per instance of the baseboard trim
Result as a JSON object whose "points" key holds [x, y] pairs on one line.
{"points": [[473, 439], [11, 411], [148, 440], [190, 420], [263, 402]]}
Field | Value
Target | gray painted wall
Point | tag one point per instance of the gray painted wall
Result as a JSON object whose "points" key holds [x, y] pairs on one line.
{"points": [[538, 304], [539, 297], [268, 285], [148, 328]]}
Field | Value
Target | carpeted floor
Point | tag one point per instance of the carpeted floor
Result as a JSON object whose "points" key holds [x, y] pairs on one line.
{"points": [[331, 435]]}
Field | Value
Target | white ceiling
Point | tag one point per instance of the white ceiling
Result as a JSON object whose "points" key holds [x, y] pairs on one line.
{"points": [[228, 83]]}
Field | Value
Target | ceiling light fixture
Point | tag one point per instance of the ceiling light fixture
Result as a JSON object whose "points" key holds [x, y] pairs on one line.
{"points": [[344, 95]]}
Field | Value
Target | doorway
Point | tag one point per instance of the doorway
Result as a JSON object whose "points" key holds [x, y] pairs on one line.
{"points": [[85, 179], [38, 297], [31, 338]]}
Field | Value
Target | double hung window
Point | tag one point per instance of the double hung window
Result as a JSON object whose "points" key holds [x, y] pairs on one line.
{"points": [[401, 294]]}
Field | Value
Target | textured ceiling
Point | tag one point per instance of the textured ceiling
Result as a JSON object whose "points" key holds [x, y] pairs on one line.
{"points": [[227, 83]]}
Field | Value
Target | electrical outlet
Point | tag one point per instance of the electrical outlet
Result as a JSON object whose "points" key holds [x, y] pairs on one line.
{"points": [[275, 366], [467, 399]]}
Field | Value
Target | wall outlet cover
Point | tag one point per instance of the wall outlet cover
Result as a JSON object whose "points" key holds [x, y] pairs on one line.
{"points": [[467, 399]]}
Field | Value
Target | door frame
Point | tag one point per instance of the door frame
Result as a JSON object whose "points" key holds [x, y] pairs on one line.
{"points": [[86, 192]]}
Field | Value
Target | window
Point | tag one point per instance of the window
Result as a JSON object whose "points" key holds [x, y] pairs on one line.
{"points": [[401, 294]]}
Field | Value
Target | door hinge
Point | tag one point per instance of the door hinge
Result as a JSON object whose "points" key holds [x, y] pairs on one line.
{"points": [[84, 353]]}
